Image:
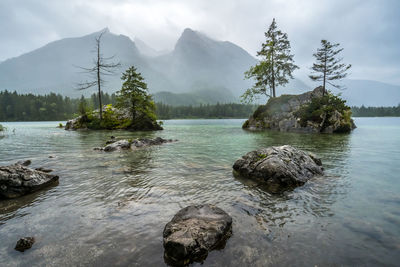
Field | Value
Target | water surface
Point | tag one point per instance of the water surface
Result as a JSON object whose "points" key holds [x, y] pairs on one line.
{"points": [[111, 208]]}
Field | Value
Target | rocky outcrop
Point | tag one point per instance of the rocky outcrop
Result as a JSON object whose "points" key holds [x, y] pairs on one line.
{"points": [[279, 167], [113, 144], [24, 243], [18, 180], [281, 113], [193, 232]]}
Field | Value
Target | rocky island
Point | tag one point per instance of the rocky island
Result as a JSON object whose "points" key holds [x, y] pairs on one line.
{"points": [[113, 118], [310, 112]]}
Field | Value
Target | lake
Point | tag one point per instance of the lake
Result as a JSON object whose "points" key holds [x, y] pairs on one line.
{"points": [[110, 208]]}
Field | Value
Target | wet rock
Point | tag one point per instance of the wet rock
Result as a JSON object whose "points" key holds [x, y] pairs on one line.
{"points": [[113, 145], [18, 180], [24, 243], [280, 167], [193, 232], [118, 145], [24, 162], [41, 169]]}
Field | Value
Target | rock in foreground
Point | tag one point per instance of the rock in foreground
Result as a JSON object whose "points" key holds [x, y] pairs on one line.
{"points": [[24, 243], [310, 112], [193, 232], [280, 167], [18, 180], [113, 145]]}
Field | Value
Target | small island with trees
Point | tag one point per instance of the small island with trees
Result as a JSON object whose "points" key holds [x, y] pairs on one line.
{"points": [[134, 110], [317, 111]]}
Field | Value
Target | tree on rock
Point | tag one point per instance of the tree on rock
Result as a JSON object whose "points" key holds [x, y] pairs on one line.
{"points": [[134, 96], [328, 66], [101, 67], [275, 67]]}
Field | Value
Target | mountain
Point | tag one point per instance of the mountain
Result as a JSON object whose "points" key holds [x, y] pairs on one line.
{"points": [[370, 93], [197, 69], [196, 59], [147, 50]]}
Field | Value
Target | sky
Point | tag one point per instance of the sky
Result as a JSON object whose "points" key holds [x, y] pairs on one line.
{"points": [[368, 30]]}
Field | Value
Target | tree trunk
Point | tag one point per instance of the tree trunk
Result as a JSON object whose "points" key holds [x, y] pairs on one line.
{"points": [[98, 80], [323, 89], [273, 74]]}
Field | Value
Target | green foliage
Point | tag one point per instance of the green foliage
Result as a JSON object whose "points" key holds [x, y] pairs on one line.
{"points": [[111, 120], [325, 106], [134, 97], [328, 66], [50, 107], [274, 68], [2, 128], [376, 111], [231, 110], [83, 106]]}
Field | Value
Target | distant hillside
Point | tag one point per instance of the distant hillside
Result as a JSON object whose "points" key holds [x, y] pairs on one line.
{"points": [[370, 93], [195, 98]]}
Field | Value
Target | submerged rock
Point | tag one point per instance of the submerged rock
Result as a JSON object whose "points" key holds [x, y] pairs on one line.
{"points": [[193, 232], [280, 167], [18, 180], [24, 243], [113, 145], [282, 114]]}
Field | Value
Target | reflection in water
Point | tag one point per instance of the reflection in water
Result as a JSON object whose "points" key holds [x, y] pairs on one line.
{"points": [[111, 208]]}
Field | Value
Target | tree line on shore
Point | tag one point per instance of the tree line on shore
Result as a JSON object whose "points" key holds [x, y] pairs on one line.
{"points": [[55, 107]]}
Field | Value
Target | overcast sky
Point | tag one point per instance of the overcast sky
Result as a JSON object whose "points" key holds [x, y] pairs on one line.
{"points": [[368, 30]]}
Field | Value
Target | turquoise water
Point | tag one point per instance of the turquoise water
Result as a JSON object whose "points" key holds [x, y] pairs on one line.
{"points": [[110, 209]]}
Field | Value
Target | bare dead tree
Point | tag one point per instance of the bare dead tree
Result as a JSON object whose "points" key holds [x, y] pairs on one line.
{"points": [[101, 67]]}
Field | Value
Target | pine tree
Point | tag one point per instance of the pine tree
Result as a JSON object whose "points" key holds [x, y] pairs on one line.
{"points": [[328, 66], [134, 96], [275, 67]]}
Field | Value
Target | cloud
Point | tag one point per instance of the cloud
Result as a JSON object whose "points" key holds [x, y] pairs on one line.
{"points": [[368, 30]]}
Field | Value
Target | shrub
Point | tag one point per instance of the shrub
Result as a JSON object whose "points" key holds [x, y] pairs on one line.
{"points": [[327, 105]]}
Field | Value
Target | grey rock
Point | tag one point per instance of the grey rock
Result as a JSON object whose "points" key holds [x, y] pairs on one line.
{"points": [[18, 180], [193, 232], [117, 145], [24, 243], [113, 145], [24, 162], [280, 167], [44, 170]]}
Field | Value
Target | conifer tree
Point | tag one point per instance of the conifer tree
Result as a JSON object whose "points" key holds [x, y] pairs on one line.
{"points": [[275, 67], [134, 96], [328, 66]]}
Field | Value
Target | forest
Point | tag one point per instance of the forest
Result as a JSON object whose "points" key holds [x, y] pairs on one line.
{"points": [[55, 107]]}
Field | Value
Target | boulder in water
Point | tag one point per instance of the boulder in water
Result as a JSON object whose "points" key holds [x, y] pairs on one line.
{"points": [[24, 243], [113, 145], [18, 180], [193, 232], [280, 167]]}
